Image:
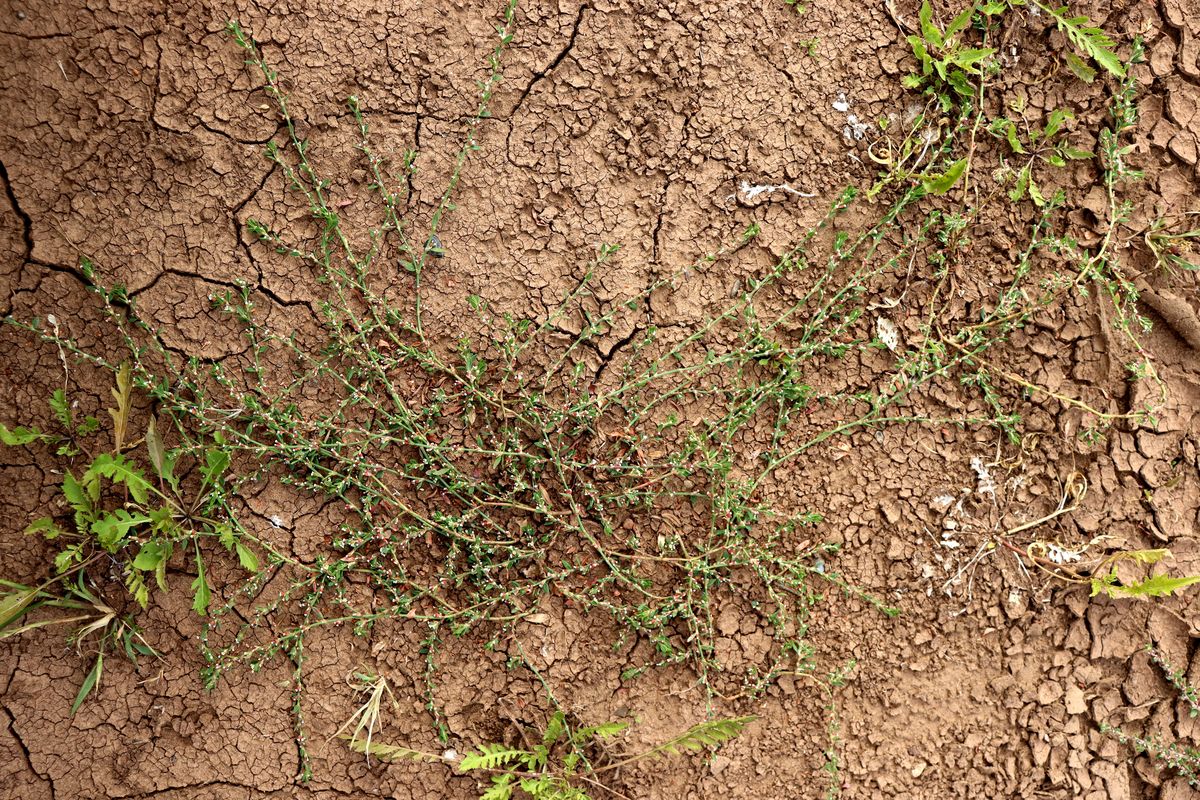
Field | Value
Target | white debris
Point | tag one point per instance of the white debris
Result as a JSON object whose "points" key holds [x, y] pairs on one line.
{"points": [[942, 502], [887, 332], [986, 483], [750, 192], [276, 520], [1061, 555], [841, 104], [855, 129]]}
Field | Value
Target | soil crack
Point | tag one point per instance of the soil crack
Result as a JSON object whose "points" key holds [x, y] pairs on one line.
{"points": [[558, 59], [12, 729]]}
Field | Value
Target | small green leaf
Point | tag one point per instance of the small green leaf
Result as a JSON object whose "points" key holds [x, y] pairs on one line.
{"points": [[490, 756], [929, 31], [554, 729], [89, 683], [64, 559], [120, 415], [112, 528], [76, 495], [14, 604], [940, 184], [62, 409], [1157, 586], [46, 527], [225, 535], [150, 556], [21, 435], [203, 594], [162, 460], [246, 558], [960, 23], [1011, 135], [216, 461], [387, 752], [968, 58], [1079, 67], [501, 788], [118, 470], [1055, 122]]}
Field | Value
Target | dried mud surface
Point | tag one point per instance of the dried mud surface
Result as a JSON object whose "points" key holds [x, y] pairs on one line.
{"points": [[132, 133]]}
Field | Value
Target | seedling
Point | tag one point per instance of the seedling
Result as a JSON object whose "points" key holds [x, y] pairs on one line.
{"points": [[364, 722], [1045, 144], [945, 64], [123, 519]]}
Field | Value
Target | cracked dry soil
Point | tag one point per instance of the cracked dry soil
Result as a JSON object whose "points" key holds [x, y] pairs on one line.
{"points": [[132, 133]]}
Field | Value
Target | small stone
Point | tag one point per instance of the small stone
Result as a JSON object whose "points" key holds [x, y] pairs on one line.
{"points": [[1040, 751], [1075, 702], [1183, 146], [1049, 692], [728, 622], [719, 764]]}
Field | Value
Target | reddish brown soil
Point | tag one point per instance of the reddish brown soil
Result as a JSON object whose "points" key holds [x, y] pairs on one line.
{"points": [[132, 133]]}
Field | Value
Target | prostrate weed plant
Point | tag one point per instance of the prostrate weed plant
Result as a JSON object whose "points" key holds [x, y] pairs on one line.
{"points": [[564, 762], [1177, 757], [483, 473]]}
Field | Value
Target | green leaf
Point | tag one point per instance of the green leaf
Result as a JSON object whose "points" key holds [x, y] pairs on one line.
{"points": [[940, 184], [216, 461], [929, 31], [1157, 586], [1079, 67], [1017, 192], [150, 556], [62, 409], [386, 752], [89, 683], [1055, 122], [1088, 38], [160, 458], [225, 535], [136, 586], [969, 57], [1035, 193], [246, 558], [62, 561], [203, 594], [554, 729], [706, 734], [960, 23], [78, 497], [21, 435], [1076, 154], [117, 469], [490, 756], [501, 788], [14, 604], [120, 415], [921, 54], [1010, 134], [605, 731], [112, 528], [46, 527]]}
